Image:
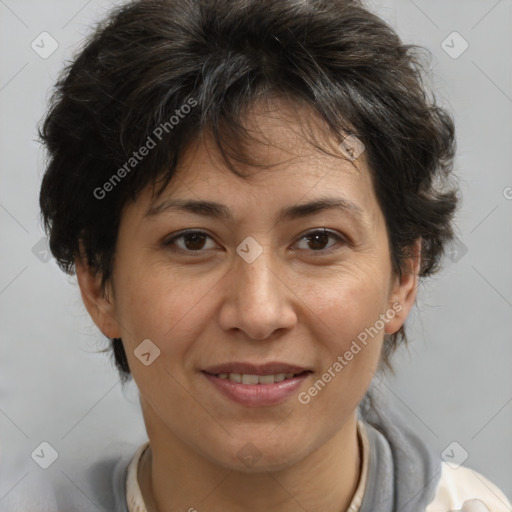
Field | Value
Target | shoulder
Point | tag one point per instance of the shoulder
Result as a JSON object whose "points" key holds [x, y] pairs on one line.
{"points": [[100, 484], [68, 484], [463, 484]]}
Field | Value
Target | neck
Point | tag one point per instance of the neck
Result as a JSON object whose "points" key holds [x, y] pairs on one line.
{"points": [[174, 477]]}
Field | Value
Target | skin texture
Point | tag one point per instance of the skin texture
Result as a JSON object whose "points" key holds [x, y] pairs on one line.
{"points": [[296, 303]]}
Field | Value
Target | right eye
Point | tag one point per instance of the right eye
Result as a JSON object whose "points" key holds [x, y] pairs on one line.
{"points": [[189, 241]]}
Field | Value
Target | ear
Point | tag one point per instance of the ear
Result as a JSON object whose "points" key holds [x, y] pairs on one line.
{"points": [[403, 294], [99, 306]]}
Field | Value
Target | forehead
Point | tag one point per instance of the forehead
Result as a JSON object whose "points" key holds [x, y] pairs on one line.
{"points": [[283, 140], [281, 134]]}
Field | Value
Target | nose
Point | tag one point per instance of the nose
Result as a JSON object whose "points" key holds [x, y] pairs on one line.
{"points": [[257, 299]]}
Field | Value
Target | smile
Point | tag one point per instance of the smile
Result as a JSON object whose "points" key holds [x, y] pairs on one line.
{"points": [[252, 390], [243, 378]]}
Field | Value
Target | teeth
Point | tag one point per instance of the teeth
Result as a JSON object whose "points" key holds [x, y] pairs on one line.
{"points": [[249, 379], [266, 379], [255, 379]]}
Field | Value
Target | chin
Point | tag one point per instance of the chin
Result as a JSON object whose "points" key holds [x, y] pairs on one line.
{"points": [[256, 456]]}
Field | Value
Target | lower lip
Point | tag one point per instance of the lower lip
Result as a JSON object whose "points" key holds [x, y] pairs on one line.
{"points": [[257, 395]]}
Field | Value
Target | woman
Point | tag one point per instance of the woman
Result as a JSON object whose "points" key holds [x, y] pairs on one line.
{"points": [[249, 193]]}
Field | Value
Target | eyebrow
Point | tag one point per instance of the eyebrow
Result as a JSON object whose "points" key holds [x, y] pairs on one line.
{"points": [[220, 211]]}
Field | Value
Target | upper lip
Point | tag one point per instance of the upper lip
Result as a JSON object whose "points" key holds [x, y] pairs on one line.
{"points": [[271, 368]]}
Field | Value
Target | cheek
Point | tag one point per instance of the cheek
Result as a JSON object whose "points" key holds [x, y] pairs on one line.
{"points": [[351, 309], [350, 302], [153, 302]]}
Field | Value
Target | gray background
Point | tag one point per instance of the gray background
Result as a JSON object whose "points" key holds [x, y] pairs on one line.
{"points": [[454, 383]]}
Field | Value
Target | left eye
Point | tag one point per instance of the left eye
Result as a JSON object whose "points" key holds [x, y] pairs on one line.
{"points": [[319, 239]]}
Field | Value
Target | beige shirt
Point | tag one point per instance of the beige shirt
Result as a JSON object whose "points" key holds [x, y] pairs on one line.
{"points": [[136, 503]]}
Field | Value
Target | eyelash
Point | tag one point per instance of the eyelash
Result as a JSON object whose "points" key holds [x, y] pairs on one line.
{"points": [[307, 235]]}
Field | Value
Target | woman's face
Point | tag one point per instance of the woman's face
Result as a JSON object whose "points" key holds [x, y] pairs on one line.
{"points": [[259, 283]]}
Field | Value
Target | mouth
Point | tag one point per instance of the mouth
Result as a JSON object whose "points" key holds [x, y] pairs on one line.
{"points": [[265, 369], [257, 385], [252, 379]]}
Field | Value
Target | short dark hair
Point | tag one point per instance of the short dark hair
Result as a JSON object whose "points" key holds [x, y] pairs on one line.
{"points": [[150, 58]]}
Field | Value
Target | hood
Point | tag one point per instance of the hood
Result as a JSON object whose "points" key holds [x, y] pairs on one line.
{"points": [[403, 471]]}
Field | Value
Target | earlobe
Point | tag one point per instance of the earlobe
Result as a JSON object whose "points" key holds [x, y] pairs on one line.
{"points": [[100, 308], [404, 292]]}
